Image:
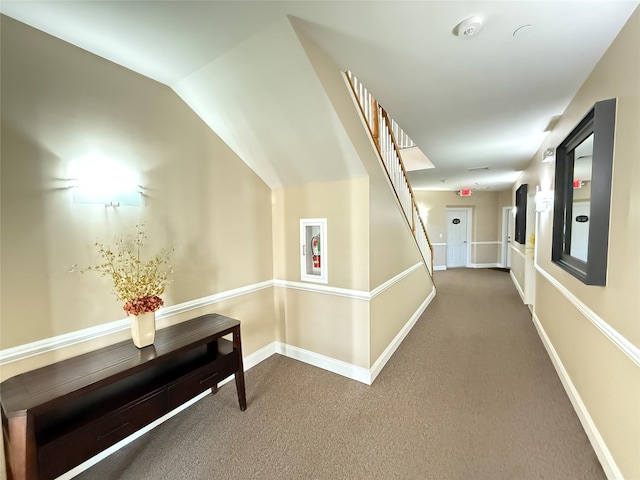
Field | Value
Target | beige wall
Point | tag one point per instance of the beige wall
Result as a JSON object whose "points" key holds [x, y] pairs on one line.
{"points": [[392, 308], [486, 227], [347, 329], [60, 103], [391, 248], [330, 325], [518, 268], [345, 205], [607, 381]]}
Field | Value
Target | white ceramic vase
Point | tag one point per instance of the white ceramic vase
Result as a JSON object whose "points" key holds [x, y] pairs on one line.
{"points": [[143, 329]]}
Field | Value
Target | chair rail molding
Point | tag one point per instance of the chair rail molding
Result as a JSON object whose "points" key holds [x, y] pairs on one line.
{"points": [[22, 352]]}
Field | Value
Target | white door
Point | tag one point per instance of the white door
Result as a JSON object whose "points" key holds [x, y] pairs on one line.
{"points": [[456, 238], [580, 230], [507, 234]]}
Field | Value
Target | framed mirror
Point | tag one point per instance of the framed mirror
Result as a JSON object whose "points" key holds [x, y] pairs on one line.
{"points": [[582, 200], [521, 214]]}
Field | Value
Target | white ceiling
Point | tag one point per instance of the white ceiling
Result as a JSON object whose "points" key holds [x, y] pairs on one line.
{"points": [[466, 102]]}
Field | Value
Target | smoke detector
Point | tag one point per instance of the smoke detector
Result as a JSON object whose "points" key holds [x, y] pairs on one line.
{"points": [[469, 27]]}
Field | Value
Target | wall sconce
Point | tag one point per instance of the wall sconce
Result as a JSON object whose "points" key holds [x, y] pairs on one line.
{"points": [[96, 179], [544, 200], [549, 155]]}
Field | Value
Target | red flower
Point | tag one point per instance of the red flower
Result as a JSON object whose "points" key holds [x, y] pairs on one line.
{"points": [[142, 305]]}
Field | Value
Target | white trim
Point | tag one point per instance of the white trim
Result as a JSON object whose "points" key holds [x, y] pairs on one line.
{"points": [[348, 370], [518, 251], [317, 288], [21, 352], [211, 299], [439, 267], [518, 287], [249, 362], [599, 446], [382, 360], [14, 354], [611, 333], [389, 283], [483, 265], [345, 292], [495, 242], [326, 363], [439, 244]]}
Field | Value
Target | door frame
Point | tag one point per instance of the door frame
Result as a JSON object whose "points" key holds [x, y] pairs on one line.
{"points": [[469, 230], [507, 212]]}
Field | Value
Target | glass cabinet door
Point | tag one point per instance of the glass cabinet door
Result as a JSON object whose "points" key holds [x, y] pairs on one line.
{"points": [[313, 251]]}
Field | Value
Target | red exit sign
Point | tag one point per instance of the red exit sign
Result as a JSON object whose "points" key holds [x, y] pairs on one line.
{"points": [[465, 192]]}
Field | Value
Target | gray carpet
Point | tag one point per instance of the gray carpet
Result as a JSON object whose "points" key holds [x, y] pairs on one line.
{"points": [[470, 394]]}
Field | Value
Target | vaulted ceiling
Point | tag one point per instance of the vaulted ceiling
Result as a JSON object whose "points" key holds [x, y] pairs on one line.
{"points": [[467, 102]]}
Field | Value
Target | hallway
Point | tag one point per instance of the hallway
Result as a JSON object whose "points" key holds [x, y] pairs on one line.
{"points": [[470, 394]]}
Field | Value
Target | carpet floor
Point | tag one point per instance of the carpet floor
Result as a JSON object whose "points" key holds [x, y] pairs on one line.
{"points": [[470, 394]]}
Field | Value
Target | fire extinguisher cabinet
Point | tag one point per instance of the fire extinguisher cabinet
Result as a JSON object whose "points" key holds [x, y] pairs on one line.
{"points": [[313, 251]]}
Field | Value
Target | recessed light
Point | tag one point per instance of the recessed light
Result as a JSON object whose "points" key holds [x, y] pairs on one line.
{"points": [[523, 31]]}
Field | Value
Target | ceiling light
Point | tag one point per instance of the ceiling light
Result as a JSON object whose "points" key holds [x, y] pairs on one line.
{"points": [[469, 27], [523, 30], [548, 155]]}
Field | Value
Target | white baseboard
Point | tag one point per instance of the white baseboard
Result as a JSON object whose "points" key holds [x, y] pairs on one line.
{"points": [[38, 347], [472, 265], [348, 370], [518, 287], [354, 372], [395, 343], [599, 446]]}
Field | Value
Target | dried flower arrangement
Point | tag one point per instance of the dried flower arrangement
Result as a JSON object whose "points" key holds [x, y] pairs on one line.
{"points": [[136, 282]]}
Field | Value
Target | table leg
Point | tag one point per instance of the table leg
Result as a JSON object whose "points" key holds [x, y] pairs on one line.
{"points": [[237, 345]]}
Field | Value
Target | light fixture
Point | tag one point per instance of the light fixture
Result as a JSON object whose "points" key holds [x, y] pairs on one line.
{"points": [[465, 192], [549, 155], [97, 179], [469, 27], [544, 200], [523, 30]]}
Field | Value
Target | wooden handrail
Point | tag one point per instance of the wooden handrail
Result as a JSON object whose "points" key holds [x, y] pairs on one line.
{"points": [[372, 123], [414, 203]]}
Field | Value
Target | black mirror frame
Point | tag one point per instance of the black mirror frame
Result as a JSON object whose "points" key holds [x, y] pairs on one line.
{"points": [[601, 122], [521, 214]]}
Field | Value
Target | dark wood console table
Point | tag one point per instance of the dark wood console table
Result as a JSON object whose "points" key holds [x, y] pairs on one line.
{"points": [[58, 416]]}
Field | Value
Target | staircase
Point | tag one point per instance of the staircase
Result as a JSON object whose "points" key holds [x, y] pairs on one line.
{"points": [[389, 138]]}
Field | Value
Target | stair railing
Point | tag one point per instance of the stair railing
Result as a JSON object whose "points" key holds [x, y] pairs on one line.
{"points": [[385, 131]]}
